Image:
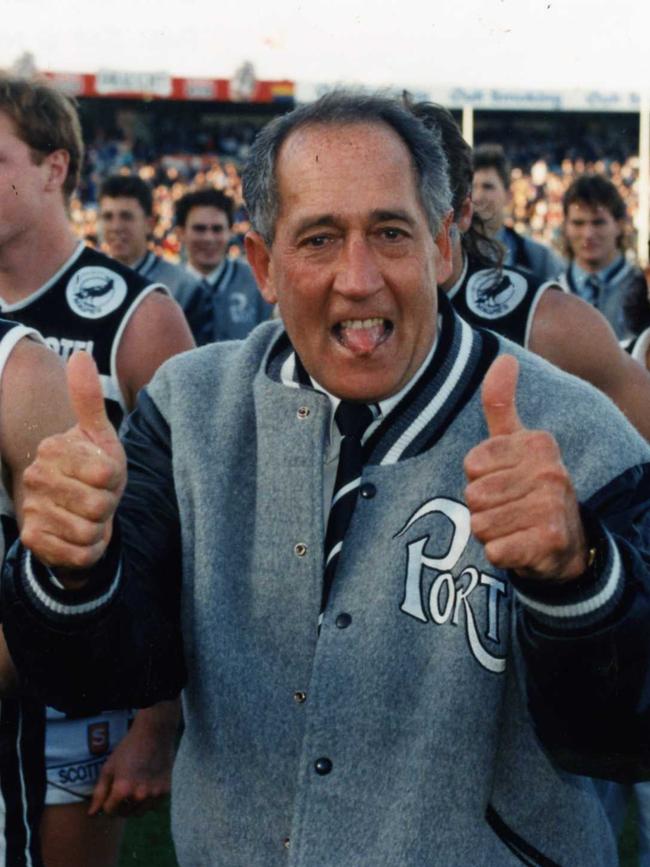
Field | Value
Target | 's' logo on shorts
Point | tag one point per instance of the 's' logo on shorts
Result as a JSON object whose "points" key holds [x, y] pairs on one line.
{"points": [[98, 741]]}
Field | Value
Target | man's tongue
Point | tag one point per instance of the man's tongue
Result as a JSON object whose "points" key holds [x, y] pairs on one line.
{"points": [[364, 340]]}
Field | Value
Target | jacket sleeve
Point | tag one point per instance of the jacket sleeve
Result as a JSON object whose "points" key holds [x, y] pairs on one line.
{"points": [[586, 645], [117, 642]]}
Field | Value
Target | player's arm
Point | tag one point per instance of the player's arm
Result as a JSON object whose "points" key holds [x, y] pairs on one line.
{"points": [[33, 405], [157, 330], [575, 336]]}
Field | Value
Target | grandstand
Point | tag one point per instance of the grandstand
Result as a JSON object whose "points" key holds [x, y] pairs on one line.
{"points": [[181, 132]]}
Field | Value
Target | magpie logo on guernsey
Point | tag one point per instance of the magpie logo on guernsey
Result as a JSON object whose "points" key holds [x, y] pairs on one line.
{"points": [[93, 292], [432, 593], [491, 299]]}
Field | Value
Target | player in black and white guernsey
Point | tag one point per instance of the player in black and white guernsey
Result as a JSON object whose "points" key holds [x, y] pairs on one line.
{"points": [[502, 299], [81, 299], [33, 404], [555, 324], [87, 305]]}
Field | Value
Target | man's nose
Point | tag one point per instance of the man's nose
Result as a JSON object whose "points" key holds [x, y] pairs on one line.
{"points": [[358, 273]]}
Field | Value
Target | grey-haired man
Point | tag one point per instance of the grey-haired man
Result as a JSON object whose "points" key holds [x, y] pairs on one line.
{"points": [[412, 690]]}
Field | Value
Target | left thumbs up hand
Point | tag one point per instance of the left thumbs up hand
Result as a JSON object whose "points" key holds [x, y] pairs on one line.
{"points": [[523, 506]]}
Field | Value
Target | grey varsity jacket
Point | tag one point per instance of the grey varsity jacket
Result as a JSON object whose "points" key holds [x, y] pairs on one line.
{"points": [[408, 732]]}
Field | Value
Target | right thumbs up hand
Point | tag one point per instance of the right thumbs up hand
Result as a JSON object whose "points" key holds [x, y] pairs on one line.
{"points": [[73, 487]]}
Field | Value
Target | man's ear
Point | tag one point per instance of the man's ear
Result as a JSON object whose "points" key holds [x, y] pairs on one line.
{"points": [[259, 258], [56, 169], [443, 245], [464, 221]]}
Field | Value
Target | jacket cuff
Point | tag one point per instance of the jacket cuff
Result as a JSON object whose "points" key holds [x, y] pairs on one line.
{"points": [[588, 600], [48, 598]]}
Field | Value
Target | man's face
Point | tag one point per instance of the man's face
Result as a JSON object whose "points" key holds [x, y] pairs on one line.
{"points": [[22, 184], [592, 234], [125, 227], [353, 265], [205, 235], [490, 198]]}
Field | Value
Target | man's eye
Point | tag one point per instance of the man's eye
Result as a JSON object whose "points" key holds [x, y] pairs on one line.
{"points": [[392, 234], [316, 241]]}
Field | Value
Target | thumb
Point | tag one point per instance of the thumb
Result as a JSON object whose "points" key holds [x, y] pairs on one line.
{"points": [[87, 398], [499, 396]]}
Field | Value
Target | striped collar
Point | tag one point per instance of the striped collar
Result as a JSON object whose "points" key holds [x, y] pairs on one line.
{"points": [[429, 403], [143, 266], [577, 276], [214, 278]]}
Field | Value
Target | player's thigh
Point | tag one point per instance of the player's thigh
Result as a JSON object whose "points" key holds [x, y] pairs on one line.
{"points": [[70, 838], [75, 751]]}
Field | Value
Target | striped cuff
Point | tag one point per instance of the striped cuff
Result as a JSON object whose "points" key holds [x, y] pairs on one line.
{"points": [[50, 599], [577, 604]]}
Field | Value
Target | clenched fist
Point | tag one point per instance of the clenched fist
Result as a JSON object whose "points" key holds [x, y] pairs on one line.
{"points": [[524, 509], [72, 488]]}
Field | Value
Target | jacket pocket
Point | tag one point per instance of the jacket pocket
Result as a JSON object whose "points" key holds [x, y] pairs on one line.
{"points": [[519, 847]]}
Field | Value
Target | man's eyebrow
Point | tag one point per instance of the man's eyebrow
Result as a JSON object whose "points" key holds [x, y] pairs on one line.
{"points": [[312, 222], [378, 216], [398, 214]]}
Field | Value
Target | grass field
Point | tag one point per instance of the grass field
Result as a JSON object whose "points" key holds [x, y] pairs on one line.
{"points": [[148, 844]]}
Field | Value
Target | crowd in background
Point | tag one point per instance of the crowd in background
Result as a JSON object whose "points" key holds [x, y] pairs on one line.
{"points": [[537, 193], [537, 185]]}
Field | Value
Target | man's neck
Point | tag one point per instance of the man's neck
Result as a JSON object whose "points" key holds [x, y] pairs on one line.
{"points": [[203, 273], [134, 261], [493, 226], [31, 259], [593, 267]]}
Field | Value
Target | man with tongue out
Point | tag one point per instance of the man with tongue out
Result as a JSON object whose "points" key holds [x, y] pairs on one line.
{"points": [[396, 564]]}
